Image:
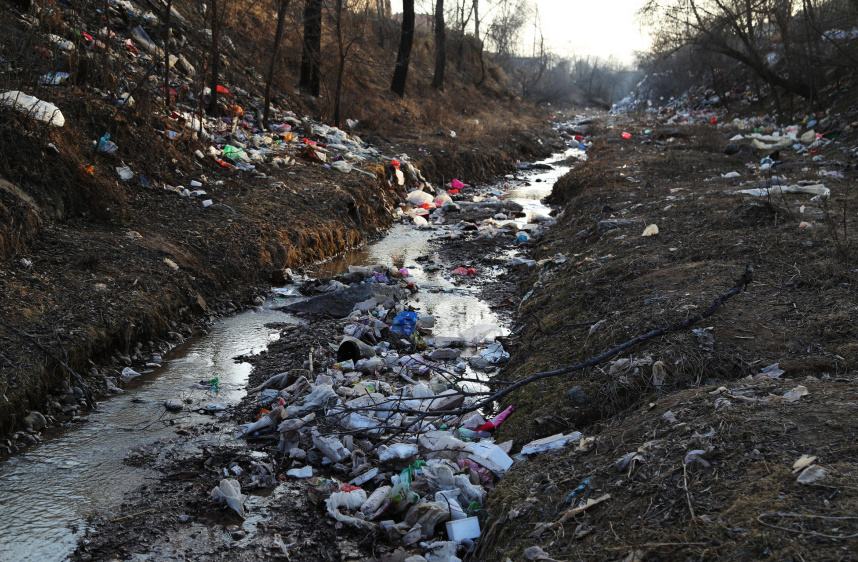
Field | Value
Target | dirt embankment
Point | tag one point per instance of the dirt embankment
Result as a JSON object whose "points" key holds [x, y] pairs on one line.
{"points": [[696, 454]]}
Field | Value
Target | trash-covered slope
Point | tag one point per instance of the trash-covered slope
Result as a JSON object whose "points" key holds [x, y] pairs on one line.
{"points": [[125, 222], [689, 439]]}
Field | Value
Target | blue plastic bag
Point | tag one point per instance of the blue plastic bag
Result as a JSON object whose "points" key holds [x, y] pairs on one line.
{"points": [[404, 323]]}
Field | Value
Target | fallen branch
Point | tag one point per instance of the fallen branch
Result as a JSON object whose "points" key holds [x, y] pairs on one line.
{"points": [[569, 514], [790, 515], [739, 287]]}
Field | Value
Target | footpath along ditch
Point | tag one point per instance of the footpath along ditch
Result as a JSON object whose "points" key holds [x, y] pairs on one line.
{"points": [[375, 356]]}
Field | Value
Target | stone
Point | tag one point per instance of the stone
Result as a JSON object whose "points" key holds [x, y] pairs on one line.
{"points": [[35, 421], [578, 396]]}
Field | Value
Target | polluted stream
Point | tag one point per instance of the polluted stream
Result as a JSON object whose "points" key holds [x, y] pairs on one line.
{"points": [[50, 492]]}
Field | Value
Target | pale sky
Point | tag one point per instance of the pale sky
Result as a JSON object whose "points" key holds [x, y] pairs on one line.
{"points": [[580, 27]]}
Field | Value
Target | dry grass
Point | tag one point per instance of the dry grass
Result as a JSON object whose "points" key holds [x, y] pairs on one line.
{"points": [[791, 314]]}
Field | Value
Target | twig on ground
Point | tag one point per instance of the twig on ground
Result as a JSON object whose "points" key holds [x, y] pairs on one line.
{"points": [[790, 515]]}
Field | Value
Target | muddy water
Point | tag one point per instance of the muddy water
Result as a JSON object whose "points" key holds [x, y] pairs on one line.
{"points": [[47, 494]]}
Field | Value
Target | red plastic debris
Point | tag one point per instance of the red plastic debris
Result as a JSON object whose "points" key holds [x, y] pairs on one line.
{"points": [[465, 271], [131, 47], [626, 135], [496, 421]]}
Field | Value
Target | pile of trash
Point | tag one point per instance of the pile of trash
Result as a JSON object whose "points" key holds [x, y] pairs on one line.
{"points": [[387, 423], [233, 139], [371, 409]]}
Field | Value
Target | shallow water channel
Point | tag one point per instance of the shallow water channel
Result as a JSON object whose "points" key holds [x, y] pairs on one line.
{"points": [[47, 494]]}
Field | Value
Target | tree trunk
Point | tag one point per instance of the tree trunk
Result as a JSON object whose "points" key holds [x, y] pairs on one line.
{"points": [[215, 58], [460, 49], [167, 56], [380, 19], [477, 22], [440, 46], [282, 6], [403, 57], [311, 53], [341, 69]]}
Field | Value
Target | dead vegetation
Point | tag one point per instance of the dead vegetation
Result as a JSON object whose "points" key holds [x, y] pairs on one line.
{"points": [[743, 502]]}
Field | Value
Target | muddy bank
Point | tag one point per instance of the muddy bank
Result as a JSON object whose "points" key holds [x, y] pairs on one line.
{"points": [[86, 299], [689, 447]]}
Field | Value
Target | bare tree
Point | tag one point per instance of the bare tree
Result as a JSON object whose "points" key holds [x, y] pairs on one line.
{"points": [[440, 46], [382, 14], [312, 48], [403, 56], [505, 29], [462, 20], [282, 7], [771, 38], [344, 47]]}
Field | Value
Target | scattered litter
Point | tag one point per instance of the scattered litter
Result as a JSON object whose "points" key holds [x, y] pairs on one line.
{"points": [[812, 474], [651, 230], [463, 529], [772, 371], [34, 107], [795, 394], [696, 456], [305, 472], [803, 462], [819, 191], [229, 492], [54, 78], [124, 173], [552, 443]]}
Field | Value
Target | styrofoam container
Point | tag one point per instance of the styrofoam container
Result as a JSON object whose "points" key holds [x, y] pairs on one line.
{"points": [[490, 456], [462, 529]]}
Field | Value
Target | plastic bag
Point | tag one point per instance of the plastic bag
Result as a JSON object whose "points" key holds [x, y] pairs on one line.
{"points": [[351, 501], [418, 197], [404, 323], [229, 492]]}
